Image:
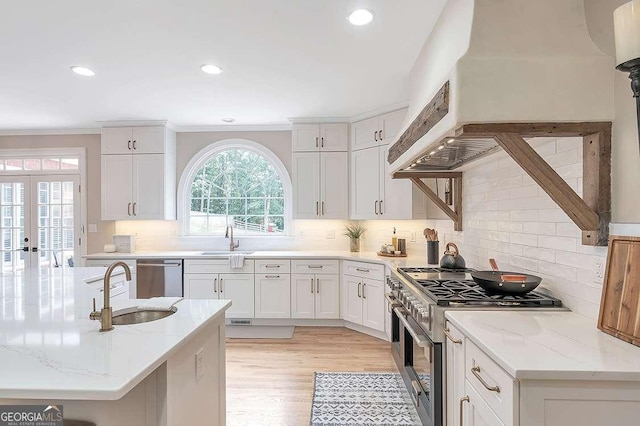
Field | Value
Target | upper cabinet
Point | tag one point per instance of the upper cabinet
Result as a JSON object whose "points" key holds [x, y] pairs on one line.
{"points": [[320, 137], [376, 131], [138, 173]]}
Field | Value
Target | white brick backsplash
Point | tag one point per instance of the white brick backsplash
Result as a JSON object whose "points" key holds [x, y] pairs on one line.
{"points": [[572, 171], [546, 149], [568, 230], [577, 260], [538, 253], [524, 239], [539, 228], [530, 265], [559, 271], [565, 144], [552, 215], [564, 158], [523, 215], [558, 243]]}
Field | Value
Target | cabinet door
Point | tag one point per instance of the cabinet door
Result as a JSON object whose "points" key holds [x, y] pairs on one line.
{"points": [[148, 140], [334, 185], [306, 185], [148, 186], [352, 299], [365, 177], [399, 197], [305, 137], [334, 137], [373, 308], [327, 298], [117, 193], [455, 374], [239, 289], [364, 134], [201, 286], [273, 296], [391, 124], [302, 295], [117, 140], [476, 411]]}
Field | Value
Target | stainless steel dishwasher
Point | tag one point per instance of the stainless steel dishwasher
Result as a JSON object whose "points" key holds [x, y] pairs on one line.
{"points": [[159, 277]]}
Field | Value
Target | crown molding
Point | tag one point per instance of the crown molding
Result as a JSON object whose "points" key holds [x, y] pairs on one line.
{"points": [[378, 111], [317, 120], [49, 132], [136, 123], [235, 128]]}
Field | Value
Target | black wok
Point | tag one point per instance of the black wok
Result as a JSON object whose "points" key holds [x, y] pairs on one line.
{"points": [[501, 282]]}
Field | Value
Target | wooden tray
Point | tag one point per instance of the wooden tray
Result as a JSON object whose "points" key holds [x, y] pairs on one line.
{"points": [[391, 254], [620, 304]]}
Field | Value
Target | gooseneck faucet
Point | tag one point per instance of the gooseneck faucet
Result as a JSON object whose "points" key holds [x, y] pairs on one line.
{"points": [[106, 313], [229, 234]]}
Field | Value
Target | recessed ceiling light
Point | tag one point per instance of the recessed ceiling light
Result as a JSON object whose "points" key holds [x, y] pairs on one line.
{"points": [[211, 69], [360, 17], [228, 120], [83, 71]]}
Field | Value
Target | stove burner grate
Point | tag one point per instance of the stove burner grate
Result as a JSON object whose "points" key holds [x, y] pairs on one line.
{"points": [[426, 270]]}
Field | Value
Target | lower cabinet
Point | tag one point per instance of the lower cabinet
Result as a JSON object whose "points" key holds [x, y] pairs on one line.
{"points": [[315, 296], [133, 289], [239, 288], [363, 301], [273, 296], [475, 410]]}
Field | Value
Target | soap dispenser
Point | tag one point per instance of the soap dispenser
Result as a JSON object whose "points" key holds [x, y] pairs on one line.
{"points": [[394, 240]]}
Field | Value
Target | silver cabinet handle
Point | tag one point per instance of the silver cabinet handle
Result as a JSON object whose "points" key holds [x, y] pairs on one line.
{"points": [[363, 270], [476, 372], [380, 207], [311, 285], [317, 209], [322, 210], [134, 209], [375, 208], [221, 286], [416, 392], [215, 285], [315, 266], [359, 291], [450, 337], [134, 145], [317, 285], [380, 134], [462, 401], [272, 276], [322, 142], [364, 288], [159, 265], [316, 142], [375, 135], [129, 145], [420, 340], [129, 209], [271, 266]]}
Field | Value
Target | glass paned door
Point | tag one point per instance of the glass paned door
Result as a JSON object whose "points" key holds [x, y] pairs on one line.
{"points": [[39, 221], [14, 229]]}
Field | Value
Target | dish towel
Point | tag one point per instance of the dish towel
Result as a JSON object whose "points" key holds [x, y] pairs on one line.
{"points": [[236, 261], [159, 303]]}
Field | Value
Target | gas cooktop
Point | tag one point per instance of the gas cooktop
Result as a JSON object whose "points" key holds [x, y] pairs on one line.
{"points": [[451, 287]]}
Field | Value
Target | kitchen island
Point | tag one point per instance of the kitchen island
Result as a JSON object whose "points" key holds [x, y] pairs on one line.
{"points": [[140, 374]]}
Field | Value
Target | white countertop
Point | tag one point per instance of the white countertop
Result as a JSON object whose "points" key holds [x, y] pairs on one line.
{"points": [[392, 262], [549, 345], [49, 349]]}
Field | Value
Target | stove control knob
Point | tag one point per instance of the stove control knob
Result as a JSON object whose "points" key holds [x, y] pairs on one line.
{"points": [[423, 315]]}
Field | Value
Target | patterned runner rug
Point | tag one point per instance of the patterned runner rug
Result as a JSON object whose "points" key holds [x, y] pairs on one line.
{"points": [[363, 399]]}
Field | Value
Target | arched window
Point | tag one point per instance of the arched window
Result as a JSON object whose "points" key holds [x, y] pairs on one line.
{"points": [[239, 183]]}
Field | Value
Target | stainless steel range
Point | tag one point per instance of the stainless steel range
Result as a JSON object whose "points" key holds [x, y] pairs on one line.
{"points": [[418, 299]]}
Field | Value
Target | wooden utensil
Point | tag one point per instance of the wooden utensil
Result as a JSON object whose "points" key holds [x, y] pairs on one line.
{"points": [[621, 290]]}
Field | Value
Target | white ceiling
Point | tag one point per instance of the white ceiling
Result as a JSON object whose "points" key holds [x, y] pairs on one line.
{"points": [[281, 58]]}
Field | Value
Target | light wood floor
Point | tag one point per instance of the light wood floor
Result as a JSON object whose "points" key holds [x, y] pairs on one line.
{"points": [[270, 381]]}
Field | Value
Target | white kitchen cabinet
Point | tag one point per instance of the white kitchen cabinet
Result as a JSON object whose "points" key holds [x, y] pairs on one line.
{"points": [[118, 289], [363, 297], [454, 346], [132, 285], [476, 411], [273, 295], [375, 195], [315, 296], [239, 288], [320, 137], [376, 131], [136, 184], [133, 140], [320, 185]]}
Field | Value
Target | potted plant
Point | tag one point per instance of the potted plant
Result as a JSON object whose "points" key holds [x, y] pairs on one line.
{"points": [[354, 232]]}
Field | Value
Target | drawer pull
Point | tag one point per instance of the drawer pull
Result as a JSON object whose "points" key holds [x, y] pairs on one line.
{"points": [[272, 276], [450, 337], [476, 372], [271, 266], [359, 291], [215, 285], [363, 270], [315, 266], [462, 401], [311, 285]]}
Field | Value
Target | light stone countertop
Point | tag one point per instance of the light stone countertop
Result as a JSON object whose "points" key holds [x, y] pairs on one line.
{"points": [[549, 345], [49, 349]]}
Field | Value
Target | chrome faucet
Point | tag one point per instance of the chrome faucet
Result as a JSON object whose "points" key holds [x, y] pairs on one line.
{"points": [[229, 234], [106, 313]]}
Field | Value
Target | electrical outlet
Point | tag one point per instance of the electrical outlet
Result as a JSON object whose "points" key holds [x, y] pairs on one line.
{"points": [[199, 364], [330, 234], [599, 269], [93, 227], [412, 237]]}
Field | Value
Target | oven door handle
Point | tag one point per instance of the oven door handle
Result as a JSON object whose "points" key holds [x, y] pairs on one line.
{"points": [[420, 340]]}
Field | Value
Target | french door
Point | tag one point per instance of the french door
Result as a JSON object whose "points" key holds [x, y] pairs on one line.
{"points": [[39, 221]]}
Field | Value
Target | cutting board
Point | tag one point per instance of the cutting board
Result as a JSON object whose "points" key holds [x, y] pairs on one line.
{"points": [[620, 304]]}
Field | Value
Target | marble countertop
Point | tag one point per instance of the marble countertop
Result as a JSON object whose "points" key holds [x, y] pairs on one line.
{"points": [[392, 262], [49, 349], [549, 345]]}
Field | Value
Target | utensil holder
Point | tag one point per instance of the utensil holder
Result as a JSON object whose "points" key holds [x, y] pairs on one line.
{"points": [[402, 245], [433, 251]]}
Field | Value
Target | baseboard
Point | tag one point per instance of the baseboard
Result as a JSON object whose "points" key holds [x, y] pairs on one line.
{"points": [[366, 330], [259, 332], [261, 328]]}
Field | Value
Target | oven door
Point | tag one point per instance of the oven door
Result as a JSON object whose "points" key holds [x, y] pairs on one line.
{"points": [[421, 368]]}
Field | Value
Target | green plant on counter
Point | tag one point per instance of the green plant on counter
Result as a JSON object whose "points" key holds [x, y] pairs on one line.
{"points": [[354, 231]]}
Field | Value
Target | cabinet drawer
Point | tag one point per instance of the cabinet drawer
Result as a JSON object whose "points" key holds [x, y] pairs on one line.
{"points": [[215, 266], [362, 269], [504, 401], [281, 266], [315, 266]]}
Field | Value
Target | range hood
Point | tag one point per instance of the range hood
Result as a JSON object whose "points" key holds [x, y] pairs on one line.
{"points": [[500, 61]]}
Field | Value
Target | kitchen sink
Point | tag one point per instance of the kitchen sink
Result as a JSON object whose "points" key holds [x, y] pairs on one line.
{"points": [[137, 315], [223, 253]]}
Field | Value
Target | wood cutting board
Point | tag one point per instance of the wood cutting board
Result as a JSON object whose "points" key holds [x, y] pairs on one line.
{"points": [[620, 304]]}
